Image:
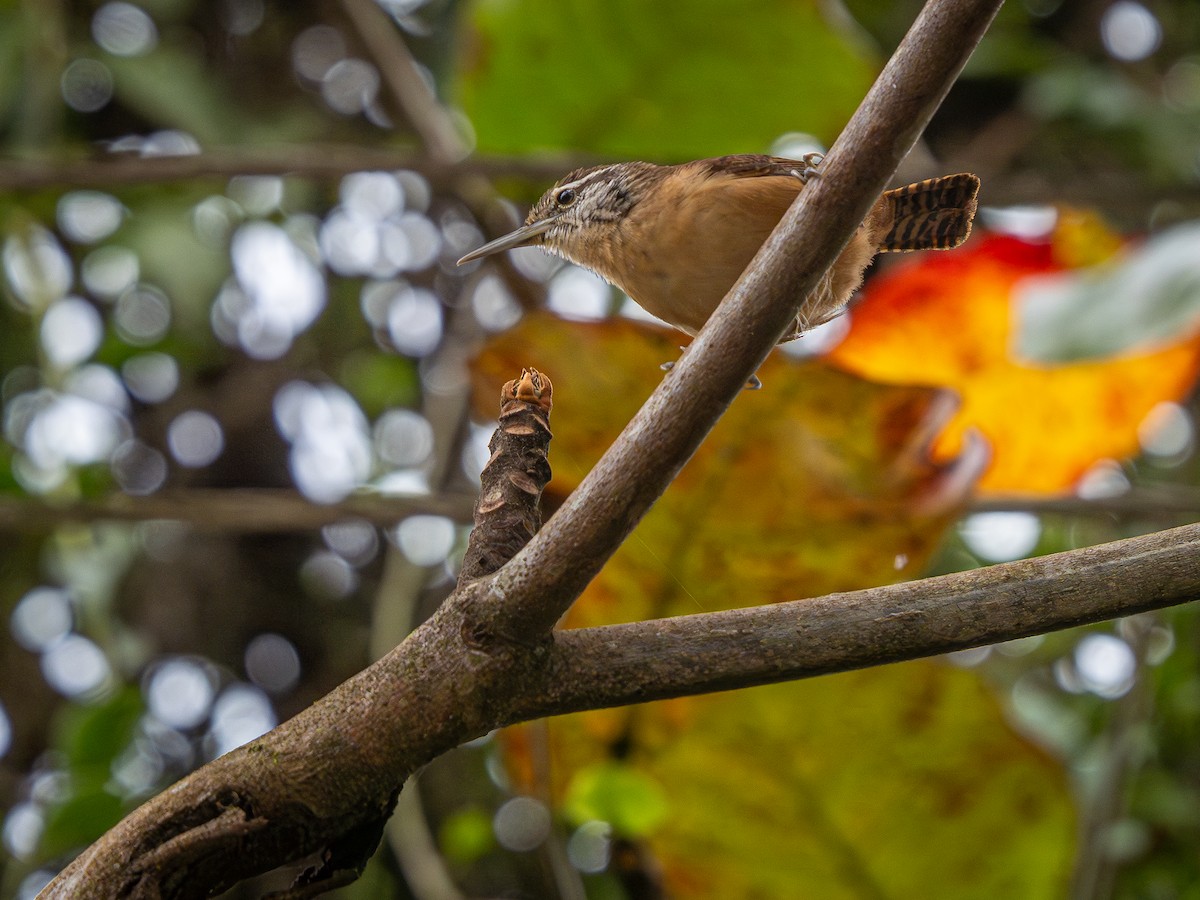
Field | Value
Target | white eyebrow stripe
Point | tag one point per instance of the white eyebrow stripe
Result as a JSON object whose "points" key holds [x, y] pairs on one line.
{"points": [[576, 183], [599, 174]]}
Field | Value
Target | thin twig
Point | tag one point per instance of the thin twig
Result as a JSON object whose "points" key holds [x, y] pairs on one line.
{"points": [[401, 74]]}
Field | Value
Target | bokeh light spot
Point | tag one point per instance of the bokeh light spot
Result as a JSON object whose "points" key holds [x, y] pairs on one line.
{"points": [[354, 540], [138, 468], [89, 216], [179, 692], [331, 449], [74, 666], [326, 575], [577, 294], [282, 290], [425, 540], [403, 437], [521, 824], [589, 847], [109, 271], [316, 50], [86, 85], [257, 195], [494, 306], [42, 618], [5, 732], [195, 439], [1130, 31], [38, 270], [414, 320], [242, 17], [1167, 431], [273, 663], [23, 830], [142, 315], [124, 29], [1105, 665], [350, 86], [71, 331], [242, 713], [1001, 536], [151, 377]]}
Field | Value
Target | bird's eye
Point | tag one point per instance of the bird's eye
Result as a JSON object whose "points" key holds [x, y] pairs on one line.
{"points": [[565, 197]]}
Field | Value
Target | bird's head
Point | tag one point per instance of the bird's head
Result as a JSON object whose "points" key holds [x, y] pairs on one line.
{"points": [[581, 211]]}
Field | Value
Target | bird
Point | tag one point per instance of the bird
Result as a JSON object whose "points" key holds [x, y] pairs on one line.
{"points": [[675, 238]]}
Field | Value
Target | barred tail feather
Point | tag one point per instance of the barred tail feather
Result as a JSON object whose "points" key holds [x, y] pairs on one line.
{"points": [[935, 214]]}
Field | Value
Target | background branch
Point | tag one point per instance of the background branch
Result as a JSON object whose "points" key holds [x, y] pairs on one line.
{"points": [[308, 160], [231, 510]]}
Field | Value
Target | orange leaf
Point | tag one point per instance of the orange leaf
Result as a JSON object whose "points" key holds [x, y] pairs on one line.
{"points": [[946, 320], [819, 482]]}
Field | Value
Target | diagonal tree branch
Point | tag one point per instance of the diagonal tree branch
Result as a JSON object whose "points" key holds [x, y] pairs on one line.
{"points": [[545, 578]]}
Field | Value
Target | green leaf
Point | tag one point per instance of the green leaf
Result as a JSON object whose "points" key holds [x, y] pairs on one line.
{"points": [[379, 381], [1149, 297], [629, 800], [172, 257], [79, 820], [661, 80], [93, 736], [466, 835]]}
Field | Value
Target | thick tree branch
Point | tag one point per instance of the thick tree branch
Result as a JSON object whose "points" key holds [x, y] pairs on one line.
{"points": [[593, 668], [546, 577]]}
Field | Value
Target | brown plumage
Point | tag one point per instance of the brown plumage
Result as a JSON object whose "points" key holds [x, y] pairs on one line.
{"points": [[676, 238]]}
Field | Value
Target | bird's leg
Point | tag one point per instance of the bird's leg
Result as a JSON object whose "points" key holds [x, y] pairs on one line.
{"points": [[753, 383], [670, 364], [808, 169]]}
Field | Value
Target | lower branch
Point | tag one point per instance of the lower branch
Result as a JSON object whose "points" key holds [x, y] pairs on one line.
{"points": [[619, 664]]}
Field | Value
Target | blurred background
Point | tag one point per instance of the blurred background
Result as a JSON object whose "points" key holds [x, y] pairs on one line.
{"points": [[246, 396]]}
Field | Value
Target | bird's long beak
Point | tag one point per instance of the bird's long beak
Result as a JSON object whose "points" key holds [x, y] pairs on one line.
{"points": [[519, 238]]}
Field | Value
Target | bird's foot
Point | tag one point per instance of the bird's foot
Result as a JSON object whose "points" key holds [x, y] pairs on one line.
{"points": [[809, 168], [753, 383]]}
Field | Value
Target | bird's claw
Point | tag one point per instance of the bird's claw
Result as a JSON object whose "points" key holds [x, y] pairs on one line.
{"points": [[809, 169], [753, 383]]}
